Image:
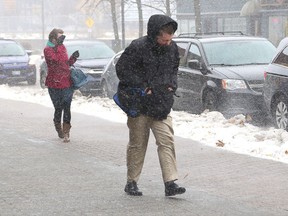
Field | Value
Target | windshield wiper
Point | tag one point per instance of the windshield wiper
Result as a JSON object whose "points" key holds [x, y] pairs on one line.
{"points": [[222, 64], [256, 63], [237, 64]]}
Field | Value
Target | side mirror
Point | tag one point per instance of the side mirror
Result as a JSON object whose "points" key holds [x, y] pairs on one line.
{"points": [[29, 52], [194, 64]]}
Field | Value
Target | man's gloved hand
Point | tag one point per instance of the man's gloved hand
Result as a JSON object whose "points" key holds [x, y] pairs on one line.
{"points": [[76, 54], [61, 39]]}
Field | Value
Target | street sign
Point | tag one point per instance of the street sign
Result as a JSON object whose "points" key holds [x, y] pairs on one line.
{"points": [[89, 22]]}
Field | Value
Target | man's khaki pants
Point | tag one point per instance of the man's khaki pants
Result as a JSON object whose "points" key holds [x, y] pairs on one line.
{"points": [[139, 130]]}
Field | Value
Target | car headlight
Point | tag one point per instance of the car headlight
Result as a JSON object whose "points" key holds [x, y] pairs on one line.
{"points": [[229, 84]]}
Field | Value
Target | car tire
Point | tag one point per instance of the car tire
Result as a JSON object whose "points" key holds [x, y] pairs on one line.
{"points": [[279, 112], [104, 90], [210, 101], [31, 81]]}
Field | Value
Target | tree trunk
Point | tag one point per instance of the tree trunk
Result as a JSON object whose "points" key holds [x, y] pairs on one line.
{"points": [[140, 15], [123, 23], [117, 46], [197, 10], [168, 8]]}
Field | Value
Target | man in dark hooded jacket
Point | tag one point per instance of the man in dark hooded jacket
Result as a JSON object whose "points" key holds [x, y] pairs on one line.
{"points": [[147, 71]]}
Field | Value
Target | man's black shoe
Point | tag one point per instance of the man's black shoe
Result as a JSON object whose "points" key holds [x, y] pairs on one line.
{"points": [[132, 189], [172, 189]]}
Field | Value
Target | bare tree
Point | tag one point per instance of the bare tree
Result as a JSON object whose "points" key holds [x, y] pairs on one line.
{"points": [[117, 45], [163, 6], [93, 4]]}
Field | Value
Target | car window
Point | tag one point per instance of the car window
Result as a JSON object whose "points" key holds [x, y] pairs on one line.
{"points": [[193, 53], [239, 52], [91, 51], [115, 60], [11, 49], [282, 58], [182, 46]]}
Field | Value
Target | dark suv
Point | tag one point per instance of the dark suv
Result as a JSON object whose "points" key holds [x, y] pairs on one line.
{"points": [[276, 89], [15, 64], [222, 72]]}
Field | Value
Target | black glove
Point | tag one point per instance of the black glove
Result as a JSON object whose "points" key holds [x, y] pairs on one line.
{"points": [[76, 54], [61, 39]]}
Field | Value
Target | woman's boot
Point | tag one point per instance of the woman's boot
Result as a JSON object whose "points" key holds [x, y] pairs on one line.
{"points": [[66, 131], [59, 130]]}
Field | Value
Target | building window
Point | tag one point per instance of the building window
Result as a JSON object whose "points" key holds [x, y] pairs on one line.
{"points": [[186, 26], [232, 24], [274, 3]]}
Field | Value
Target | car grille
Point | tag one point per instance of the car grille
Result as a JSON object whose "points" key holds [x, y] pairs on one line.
{"points": [[256, 85], [96, 75], [96, 72], [16, 64]]}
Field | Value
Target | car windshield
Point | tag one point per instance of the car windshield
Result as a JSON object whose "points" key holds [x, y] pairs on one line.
{"points": [[11, 49], [91, 51], [239, 52]]}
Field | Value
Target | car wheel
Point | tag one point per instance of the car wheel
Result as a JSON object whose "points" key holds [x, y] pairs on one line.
{"points": [[280, 112], [32, 81], [42, 80], [104, 90], [210, 101]]}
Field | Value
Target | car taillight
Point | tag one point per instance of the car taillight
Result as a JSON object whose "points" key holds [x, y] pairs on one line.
{"points": [[265, 75]]}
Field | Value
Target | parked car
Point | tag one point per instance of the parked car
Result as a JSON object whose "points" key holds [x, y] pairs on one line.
{"points": [[222, 72], [15, 65], [218, 72], [94, 55], [109, 80], [276, 89]]}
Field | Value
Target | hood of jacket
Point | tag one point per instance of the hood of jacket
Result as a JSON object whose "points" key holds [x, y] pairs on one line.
{"points": [[156, 22]]}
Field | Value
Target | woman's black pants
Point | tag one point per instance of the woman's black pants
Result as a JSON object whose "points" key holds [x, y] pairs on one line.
{"points": [[61, 99]]}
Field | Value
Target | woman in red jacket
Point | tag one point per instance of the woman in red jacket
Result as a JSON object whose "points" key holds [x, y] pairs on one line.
{"points": [[58, 80]]}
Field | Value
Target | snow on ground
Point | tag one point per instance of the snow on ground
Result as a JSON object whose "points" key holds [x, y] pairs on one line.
{"points": [[209, 128]]}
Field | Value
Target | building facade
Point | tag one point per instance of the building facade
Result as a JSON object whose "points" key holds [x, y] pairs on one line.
{"points": [[266, 18]]}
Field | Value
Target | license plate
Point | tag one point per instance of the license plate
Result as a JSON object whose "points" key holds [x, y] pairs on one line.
{"points": [[16, 73]]}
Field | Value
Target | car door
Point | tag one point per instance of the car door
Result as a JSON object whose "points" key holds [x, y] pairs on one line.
{"points": [[190, 79]]}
